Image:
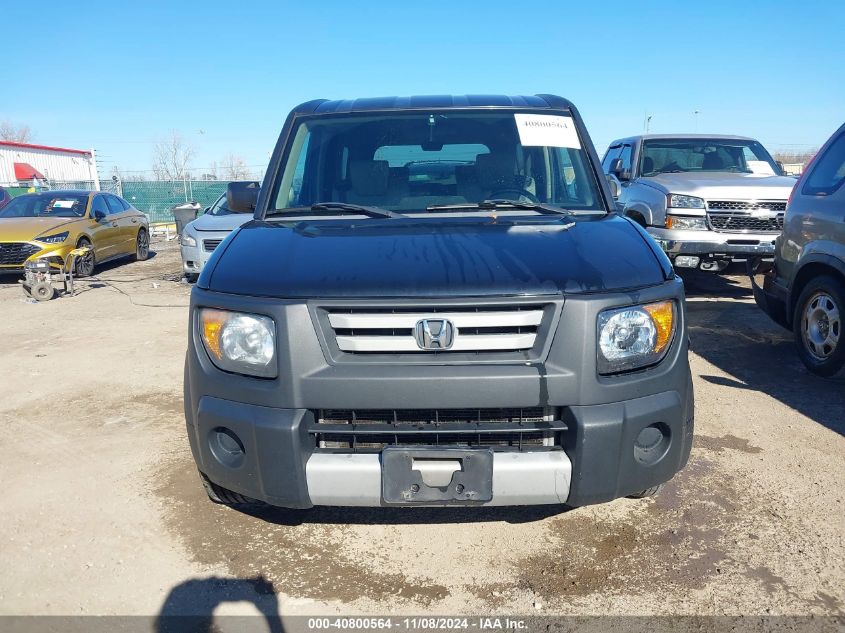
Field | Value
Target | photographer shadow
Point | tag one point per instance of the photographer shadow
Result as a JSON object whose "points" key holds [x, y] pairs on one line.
{"points": [[190, 606]]}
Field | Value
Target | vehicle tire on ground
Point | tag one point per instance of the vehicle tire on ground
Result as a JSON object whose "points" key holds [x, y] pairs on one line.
{"points": [[43, 291], [223, 496], [84, 266], [648, 492], [191, 278], [142, 246], [817, 325]]}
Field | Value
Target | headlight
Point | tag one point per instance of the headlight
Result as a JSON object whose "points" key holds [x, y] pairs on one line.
{"points": [[686, 223], [679, 201], [240, 343], [188, 240], [53, 239], [634, 337]]}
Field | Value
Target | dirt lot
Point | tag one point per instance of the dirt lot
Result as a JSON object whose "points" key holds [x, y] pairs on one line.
{"points": [[103, 512]]}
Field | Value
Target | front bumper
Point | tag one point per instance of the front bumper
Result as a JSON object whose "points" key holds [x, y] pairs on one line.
{"points": [[597, 462], [598, 419], [772, 297], [713, 244], [56, 253], [194, 258]]}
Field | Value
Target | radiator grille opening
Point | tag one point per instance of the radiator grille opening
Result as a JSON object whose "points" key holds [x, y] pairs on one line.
{"points": [[433, 416], [16, 253], [529, 428]]}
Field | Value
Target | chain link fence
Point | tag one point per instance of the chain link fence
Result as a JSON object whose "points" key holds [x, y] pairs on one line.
{"points": [[156, 197], [153, 197]]}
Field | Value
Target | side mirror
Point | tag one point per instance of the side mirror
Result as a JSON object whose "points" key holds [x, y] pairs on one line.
{"points": [[617, 168], [99, 215], [241, 197], [780, 166], [615, 185]]}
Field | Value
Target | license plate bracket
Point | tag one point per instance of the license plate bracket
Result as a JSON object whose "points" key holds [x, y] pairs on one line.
{"points": [[436, 476]]}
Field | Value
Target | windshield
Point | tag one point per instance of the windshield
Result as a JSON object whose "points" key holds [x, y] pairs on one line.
{"points": [[46, 205], [219, 207], [660, 156], [408, 162]]}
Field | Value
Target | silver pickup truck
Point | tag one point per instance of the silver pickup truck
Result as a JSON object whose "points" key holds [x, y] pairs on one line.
{"points": [[706, 199]]}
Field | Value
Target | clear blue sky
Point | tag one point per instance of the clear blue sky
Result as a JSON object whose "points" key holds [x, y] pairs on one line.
{"points": [[117, 76]]}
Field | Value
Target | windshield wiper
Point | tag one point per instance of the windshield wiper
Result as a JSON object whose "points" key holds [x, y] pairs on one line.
{"points": [[539, 207], [373, 212], [342, 207]]}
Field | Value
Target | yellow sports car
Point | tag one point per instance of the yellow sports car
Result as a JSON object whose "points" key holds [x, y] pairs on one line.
{"points": [[53, 223]]}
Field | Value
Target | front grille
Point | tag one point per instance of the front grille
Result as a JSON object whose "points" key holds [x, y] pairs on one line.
{"points": [[746, 216], [16, 253], [470, 329], [376, 429], [746, 205], [210, 245], [431, 416]]}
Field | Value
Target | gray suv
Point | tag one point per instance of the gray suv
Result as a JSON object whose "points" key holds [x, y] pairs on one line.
{"points": [[706, 199], [804, 289]]}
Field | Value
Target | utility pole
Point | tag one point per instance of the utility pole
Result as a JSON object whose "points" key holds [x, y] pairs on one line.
{"points": [[648, 123]]}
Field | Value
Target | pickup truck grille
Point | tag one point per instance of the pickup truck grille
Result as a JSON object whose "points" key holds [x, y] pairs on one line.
{"points": [[210, 245], [16, 253], [374, 430], [746, 216], [467, 329]]}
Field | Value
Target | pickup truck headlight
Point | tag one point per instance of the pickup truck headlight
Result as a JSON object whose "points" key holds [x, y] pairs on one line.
{"points": [[634, 337], [188, 240], [58, 238], [686, 223], [239, 343], [680, 201]]}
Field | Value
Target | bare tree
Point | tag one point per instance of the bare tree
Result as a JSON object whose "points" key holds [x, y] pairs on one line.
{"points": [[16, 133], [172, 157], [791, 157], [234, 168]]}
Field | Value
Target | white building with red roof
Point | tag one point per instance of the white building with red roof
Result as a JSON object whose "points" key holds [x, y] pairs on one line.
{"points": [[21, 162]]}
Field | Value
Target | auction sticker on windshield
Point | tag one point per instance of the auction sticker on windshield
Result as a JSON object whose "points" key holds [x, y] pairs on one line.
{"points": [[546, 130]]}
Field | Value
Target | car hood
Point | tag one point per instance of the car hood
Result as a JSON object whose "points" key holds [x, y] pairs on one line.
{"points": [[209, 222], [26, 229], [443, 257], [719, 185]]}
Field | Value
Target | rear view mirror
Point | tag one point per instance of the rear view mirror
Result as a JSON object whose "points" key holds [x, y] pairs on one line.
{"points": [[617, 168], [615, 185], [241, 197]]}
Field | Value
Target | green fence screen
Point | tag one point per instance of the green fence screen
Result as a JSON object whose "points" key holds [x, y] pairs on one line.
{"points": [[153, 197], [157, 197]]}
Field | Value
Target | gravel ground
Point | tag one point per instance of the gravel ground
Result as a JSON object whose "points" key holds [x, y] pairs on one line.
{"points": [[103, 512]]}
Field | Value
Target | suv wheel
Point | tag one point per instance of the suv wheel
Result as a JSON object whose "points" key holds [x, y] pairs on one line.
{"points": [[817, 324]]}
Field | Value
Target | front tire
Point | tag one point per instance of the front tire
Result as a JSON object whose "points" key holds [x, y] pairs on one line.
{"points": [[84, 266], [817, 325]]}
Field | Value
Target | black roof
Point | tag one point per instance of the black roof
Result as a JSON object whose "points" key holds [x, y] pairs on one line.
{"points": [[425, 102]]}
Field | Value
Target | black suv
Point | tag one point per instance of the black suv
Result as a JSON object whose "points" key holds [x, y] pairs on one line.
{"points": [[436, 304]]}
